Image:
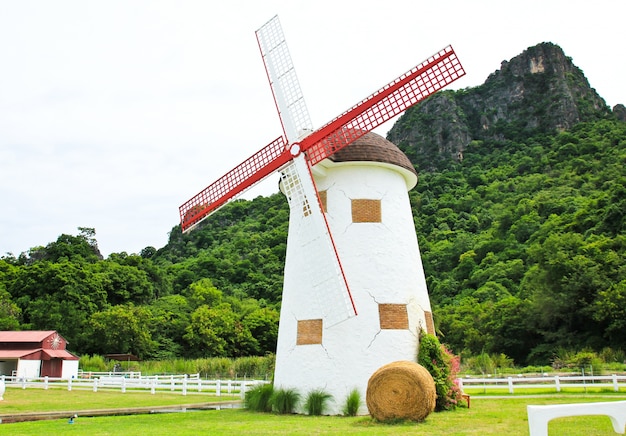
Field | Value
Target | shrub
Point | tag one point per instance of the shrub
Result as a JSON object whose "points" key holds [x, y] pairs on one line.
{"points": [[284, 401], [316, 402], [353, 402], [443, 367], [608, 355], [92, 363], [258, 398]]}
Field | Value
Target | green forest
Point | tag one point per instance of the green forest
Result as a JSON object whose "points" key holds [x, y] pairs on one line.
{"points": [[523, 242]]}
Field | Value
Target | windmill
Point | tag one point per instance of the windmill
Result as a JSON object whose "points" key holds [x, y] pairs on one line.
{"points": [[319, 343]]}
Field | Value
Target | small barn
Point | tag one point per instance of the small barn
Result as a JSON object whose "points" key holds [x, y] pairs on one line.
{"points": [[32, 354]]}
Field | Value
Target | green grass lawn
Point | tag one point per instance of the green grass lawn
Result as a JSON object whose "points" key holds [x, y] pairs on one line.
{"points": [[18, 400], [487, 416]]}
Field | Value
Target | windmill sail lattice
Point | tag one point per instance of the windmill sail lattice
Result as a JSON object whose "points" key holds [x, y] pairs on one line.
{"points": [[282, 76], [325, 276]]}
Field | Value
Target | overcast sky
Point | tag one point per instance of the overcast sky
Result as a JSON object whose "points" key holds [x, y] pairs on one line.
{"points": [[113, 113]]}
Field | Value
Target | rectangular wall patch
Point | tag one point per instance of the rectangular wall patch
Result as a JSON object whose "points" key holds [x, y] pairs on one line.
{"points": [[309, 332], [393, 316]]}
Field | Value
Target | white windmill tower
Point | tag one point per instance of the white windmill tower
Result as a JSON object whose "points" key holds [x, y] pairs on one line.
{"points": [[340, 319]]}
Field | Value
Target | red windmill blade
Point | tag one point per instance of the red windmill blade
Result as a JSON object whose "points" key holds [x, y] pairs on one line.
{"points": [[407, 90]]}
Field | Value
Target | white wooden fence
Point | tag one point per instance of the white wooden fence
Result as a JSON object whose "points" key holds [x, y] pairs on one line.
{"points": [[123, 382], [557, 382]]}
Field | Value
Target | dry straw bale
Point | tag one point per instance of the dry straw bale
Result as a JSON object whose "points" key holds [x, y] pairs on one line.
{"points": [[401, 390]]}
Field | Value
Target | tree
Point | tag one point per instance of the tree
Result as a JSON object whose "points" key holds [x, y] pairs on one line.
{"points": [[10, 313], [209, 329], [59, 296], [171, 315], [262, 324], [610, 310], [123, 329], [76, 248], [124, 283]]}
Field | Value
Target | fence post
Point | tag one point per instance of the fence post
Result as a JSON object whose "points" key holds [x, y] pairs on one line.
{"points": [[45, 382], [23, 382], [557, 382], [69, 384], [123, 384], [510, 384], [218, 388], [153, 385], [199, 385], [172, 383], [615, 385], [95, 385], [185, 385]]}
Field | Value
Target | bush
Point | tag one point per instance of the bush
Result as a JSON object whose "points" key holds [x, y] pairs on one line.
{"points": [[353, 402], [284, 401], [258, 398], [443, 367], [92, 363], [316, 402]]}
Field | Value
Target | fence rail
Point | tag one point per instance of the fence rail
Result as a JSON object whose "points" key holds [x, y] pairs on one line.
{"points": [[558, 382], [185, 383], [118, 381]]}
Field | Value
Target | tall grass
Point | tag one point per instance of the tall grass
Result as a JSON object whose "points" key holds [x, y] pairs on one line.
{"points": [[285, 401], [352, 404], [261, 367], [258, 398], [316, 402], [94, 363]]}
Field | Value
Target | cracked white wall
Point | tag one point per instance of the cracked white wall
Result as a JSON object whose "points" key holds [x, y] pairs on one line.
{"points": [[382, 264]]}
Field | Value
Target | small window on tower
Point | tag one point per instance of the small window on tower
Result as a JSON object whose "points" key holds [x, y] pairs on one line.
{"points": [[323, 201], [430, 324], [393, 316], [366, 211], [309, 332], [306, 208]]}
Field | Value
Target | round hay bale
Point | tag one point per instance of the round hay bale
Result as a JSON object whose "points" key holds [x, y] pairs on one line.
{"points": [[401, 390]]}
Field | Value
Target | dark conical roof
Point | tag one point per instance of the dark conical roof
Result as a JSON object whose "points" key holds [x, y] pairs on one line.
{"points": [[372, 147]]}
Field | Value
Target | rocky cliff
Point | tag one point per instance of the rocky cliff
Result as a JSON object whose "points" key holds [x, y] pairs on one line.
{"points": [[538, 91]]}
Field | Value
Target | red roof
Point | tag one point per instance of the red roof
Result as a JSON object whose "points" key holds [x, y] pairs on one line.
{"points": [[63, 354], [14, 354], [37, 354], [25, 336]]}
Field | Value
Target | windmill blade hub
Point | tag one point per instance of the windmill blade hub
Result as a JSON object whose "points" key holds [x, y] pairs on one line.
{"points": [[295, 149]]}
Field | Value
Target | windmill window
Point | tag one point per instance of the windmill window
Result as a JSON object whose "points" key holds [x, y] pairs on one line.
{"points": [[393, 316], [366, 211], [306, 208], [430, 324], [309, 332], [323, 197]]}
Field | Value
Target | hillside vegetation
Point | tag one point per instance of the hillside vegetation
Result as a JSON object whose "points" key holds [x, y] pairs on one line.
{"points": [[519, 213], [524, 243]]}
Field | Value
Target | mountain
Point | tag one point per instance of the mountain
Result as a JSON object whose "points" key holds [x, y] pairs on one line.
{"points": [[521, 210], [538, 91]]}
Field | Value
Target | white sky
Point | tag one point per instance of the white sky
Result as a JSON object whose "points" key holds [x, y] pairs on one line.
{"points": [[113, 113]]}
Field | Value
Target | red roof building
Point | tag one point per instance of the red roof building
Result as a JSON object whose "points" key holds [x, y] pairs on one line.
{"points": [[33, 354]]}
